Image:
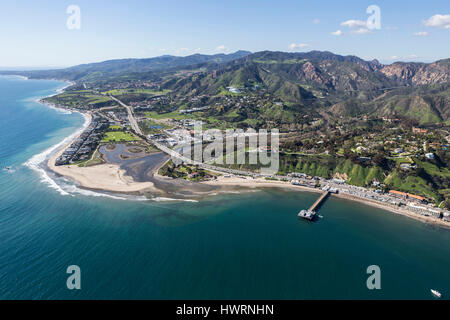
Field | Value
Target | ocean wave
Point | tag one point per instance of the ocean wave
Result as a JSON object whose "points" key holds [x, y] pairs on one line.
{"points": [[67, 187], [60, 110], [163, 199], [71, 188], [14, 76], [35, 162]]}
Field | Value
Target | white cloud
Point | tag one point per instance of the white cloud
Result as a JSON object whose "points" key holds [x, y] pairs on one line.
{"points": [[357, 26], [438, 21], [354, 24], [337, 33], [316, 21], [404, 58], [420, 34], [221, 48], [184, 51], [294, 46], [361, 31]]}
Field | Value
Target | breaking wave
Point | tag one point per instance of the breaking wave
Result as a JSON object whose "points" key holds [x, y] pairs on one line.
{"points": [[35, 163], [163, 199]]}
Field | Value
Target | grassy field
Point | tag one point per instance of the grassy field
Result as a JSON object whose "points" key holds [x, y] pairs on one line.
{"points": [[81, 98], [171, 115], [412, 184], [119, 136], [434, 170], [94, 160], [118, 92], [152, 127]]}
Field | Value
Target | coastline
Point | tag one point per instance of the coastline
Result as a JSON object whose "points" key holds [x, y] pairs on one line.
{"points": [[396, 210], [255, 183], [111, 178], [90, 180], [106, 177]]}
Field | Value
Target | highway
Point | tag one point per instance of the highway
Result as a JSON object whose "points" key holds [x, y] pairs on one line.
{"points": [[131, 118]]}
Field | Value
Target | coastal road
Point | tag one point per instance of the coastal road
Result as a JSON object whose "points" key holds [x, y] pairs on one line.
{"points": [[131, 118], [173, 153]]}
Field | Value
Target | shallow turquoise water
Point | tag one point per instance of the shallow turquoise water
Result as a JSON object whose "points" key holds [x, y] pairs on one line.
{"points": [[248, 245]]}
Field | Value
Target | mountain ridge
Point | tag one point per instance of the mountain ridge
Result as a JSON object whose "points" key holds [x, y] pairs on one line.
{"points": [[319, 81]]}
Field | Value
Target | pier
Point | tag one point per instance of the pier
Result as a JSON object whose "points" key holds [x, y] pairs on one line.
{"points": [[311, 212], [319, 201]]}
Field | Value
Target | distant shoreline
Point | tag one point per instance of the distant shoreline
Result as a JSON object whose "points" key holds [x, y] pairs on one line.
{"points": [[111, 178]]}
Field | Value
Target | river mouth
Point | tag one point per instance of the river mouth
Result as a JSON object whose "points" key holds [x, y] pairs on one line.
{"points": [[143, 167]]}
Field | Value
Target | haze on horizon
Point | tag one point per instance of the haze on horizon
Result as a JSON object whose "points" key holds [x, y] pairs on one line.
{"points": [[35, 34]]}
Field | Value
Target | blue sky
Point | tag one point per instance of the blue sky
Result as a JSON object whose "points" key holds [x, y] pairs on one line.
{"points": [[34, 32]]}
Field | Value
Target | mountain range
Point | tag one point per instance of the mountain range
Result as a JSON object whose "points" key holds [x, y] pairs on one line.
{"points": [[118, 68], [322, 81]]}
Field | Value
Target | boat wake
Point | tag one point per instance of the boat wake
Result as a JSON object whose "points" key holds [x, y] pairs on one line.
{"points": [[9, 169]]}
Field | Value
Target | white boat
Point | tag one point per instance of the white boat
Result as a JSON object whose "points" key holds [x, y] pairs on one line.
{"points": [[436, 293]]}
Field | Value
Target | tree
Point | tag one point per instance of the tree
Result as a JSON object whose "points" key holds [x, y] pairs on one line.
{"points": [[380, 160]]}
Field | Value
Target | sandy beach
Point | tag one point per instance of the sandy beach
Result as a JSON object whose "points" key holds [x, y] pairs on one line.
{"points": [[110, 177], [261, 183], [107, 177]]}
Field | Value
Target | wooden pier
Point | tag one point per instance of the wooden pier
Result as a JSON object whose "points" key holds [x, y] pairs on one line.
{"points": [[319, 201], [311, 212]]}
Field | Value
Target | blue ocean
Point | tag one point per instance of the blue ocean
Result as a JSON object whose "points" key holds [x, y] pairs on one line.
{"points": [[234, 246]]}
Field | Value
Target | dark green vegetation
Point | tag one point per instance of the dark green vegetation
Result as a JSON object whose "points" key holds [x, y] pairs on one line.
{"points": [[428, 179], [187, 172]]}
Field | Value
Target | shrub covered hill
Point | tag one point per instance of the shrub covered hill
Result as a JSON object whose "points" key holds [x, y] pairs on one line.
{"points": [[337, 85], [317, 82], [130, 69]]}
